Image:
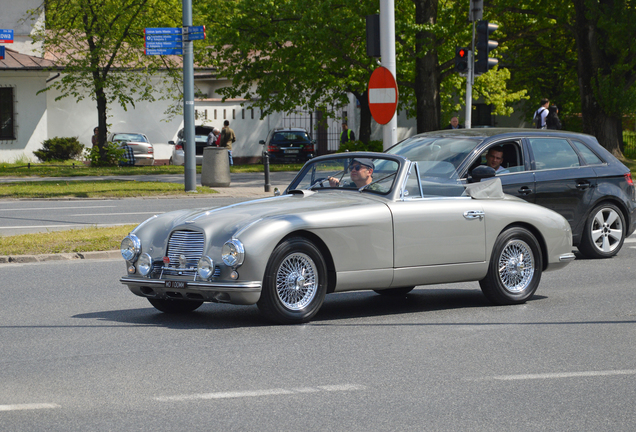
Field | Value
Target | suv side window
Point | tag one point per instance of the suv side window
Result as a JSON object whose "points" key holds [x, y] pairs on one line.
{"points": [[588, 154], [551, 153]]}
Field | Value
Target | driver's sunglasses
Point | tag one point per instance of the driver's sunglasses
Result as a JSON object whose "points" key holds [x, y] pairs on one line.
{"points": [[356, 167]]}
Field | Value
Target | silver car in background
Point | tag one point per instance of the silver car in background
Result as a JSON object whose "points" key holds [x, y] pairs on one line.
{"points": [[404, 227], [143, 150]]}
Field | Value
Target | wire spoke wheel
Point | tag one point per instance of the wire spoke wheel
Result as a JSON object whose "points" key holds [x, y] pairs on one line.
{"points": [[516, 266], [297, 281]]}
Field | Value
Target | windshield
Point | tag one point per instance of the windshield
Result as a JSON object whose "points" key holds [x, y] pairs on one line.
{"points": [[283, 137], [348, 173], [438, 157], [129, 137]]}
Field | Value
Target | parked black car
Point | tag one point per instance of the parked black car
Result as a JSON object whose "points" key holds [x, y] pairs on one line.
{"points": [[570, 173], [288, 145]]}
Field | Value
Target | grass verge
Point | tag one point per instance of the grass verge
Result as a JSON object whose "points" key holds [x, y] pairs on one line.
{"points": [[68, 241], [97, 189], [78, 169]]}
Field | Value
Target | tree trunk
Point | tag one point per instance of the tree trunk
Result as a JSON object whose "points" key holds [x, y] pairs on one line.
{"points": [[364, 134], [605, 127], [427, 78]]}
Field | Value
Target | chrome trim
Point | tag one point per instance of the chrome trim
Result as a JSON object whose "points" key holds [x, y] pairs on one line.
{"points": [[136, 243], [567, 257], [248, 286]]}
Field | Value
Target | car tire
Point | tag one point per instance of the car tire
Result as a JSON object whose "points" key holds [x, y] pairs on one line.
{"points": [[175, 306], [515, 268], [295, 282], [604, 232], [395, 292]]}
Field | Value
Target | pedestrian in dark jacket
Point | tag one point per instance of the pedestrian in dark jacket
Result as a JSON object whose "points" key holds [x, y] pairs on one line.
{"points": [[552, 121]]}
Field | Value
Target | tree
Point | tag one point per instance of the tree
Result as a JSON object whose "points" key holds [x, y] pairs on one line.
{"points": [[99, 44]]}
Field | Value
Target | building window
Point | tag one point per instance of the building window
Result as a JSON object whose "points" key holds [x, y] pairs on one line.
{"points": [[7, 119]]}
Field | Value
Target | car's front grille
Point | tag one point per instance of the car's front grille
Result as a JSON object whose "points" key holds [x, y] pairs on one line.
{"points": [[185, 248]]}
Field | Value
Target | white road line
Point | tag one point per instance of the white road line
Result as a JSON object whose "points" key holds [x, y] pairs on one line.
{"points": [[116, 214], [565, 375], [88, 225], [19, 407], [256, 393], [55, 208]]}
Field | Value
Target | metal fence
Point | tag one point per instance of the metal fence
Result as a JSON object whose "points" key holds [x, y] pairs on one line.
{"points": [[629, 140]]}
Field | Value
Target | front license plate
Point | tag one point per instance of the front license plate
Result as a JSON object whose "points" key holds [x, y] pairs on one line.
{"points": [[291, 151], [176, 284]]}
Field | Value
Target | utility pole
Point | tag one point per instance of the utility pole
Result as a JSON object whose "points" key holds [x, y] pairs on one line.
{"points": [[387, 50], [190, 171]]}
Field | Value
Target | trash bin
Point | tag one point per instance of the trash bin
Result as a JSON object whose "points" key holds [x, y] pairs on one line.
{"points": [[215, 169]]}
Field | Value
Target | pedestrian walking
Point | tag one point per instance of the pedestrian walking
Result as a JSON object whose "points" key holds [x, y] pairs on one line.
{"points": [[227, 138]]}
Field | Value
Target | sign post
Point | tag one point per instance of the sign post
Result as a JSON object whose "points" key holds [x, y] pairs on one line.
{"points": [[383, 95]]}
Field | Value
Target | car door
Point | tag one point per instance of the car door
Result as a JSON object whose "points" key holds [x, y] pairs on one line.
{"points": [[563, 183]]}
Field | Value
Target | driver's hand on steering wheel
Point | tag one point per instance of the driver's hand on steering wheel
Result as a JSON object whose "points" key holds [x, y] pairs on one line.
{"points": [[333, 182]]}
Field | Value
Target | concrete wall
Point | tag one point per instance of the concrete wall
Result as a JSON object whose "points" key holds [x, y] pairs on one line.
{"points": [[30, 114]]}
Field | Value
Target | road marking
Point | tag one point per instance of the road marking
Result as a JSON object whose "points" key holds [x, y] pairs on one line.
{"points": [[71, 225], [564, 375], [117, 214], [55, 208], [18, 407], [256, 393]]}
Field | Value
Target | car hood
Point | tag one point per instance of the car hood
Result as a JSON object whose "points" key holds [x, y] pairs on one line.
{"points": [[229, 220]]}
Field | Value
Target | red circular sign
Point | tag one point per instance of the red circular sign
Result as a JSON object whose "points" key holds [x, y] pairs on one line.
{"points": [[383, 95]]}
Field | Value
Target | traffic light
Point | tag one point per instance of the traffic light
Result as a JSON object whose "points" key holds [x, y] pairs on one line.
{"points": [[461, 59], [484, 46]]}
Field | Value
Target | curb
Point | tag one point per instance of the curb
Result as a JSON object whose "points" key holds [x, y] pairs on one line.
{"points": [[21, 259]]}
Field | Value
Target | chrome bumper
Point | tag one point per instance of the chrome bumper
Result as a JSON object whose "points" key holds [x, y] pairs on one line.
{"points": [[199, 285], [567, 257]]}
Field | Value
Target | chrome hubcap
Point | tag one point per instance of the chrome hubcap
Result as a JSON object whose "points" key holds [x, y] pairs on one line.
{"points": [[297, 281], [516, 266], [607, 230]]}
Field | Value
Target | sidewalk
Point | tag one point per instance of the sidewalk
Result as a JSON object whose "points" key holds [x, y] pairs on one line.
{"points": [[242, 185]]}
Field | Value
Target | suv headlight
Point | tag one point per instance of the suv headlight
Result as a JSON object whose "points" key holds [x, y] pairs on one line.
{"points": [[233, 253], [130, 247]]}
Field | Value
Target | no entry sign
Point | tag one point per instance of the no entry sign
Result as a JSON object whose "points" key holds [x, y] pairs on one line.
{"points": [[383, 95]]}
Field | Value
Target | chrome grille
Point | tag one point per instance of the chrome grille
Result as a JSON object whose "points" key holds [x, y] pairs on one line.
{"points": [[187, 243]]}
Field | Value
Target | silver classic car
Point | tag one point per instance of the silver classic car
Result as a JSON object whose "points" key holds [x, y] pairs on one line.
{"points": [[349, 221]]}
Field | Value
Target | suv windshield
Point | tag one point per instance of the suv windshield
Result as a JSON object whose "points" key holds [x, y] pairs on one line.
{"points": [[438, 157]]}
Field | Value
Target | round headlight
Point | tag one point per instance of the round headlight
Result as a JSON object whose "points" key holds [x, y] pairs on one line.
{"points": [[130, 247], [144, 264], [205, 267], [233, 253]]}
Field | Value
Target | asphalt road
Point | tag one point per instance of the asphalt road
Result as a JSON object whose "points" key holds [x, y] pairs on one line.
{"points": [[79, 352], [42, 215]]}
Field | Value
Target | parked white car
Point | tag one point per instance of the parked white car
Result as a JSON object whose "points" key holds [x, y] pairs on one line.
{"points": [[200, 141]]}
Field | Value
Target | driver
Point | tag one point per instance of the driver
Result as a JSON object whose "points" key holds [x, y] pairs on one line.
{"points": [[360, 171]]}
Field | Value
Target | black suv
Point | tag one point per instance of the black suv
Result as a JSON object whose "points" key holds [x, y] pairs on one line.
{"points": [[288, 145]]}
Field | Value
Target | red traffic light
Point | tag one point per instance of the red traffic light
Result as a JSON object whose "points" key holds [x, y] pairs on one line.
{"points": [[462, 53]]}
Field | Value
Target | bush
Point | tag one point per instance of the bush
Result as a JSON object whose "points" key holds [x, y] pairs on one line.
{"points": [[59, 149], [114, 154], [374, 146]]}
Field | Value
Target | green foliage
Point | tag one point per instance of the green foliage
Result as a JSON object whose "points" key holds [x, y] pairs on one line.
{"points": [[352, 146], [113, 154], [59, 149]]}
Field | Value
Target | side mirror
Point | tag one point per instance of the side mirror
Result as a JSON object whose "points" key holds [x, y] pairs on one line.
{"points": [[171, 142], [262, 142], [482, 172]]}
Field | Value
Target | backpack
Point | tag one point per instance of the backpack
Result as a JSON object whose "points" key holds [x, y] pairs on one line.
{"points": [[537, 118]]}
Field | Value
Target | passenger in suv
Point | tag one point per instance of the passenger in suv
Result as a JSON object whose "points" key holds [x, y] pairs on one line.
{"points": [[288, 145]]}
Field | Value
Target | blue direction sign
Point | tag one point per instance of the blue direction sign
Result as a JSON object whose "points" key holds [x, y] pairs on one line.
{"points": [[164, 45], [164, 51], [196, 29], [164, 38], [164, 31], [195, 36], [194, 33], [1, 53], [6, 36]]}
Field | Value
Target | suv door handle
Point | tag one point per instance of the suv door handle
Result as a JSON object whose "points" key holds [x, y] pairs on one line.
{"points": [[583, 185], [524, 190]]}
